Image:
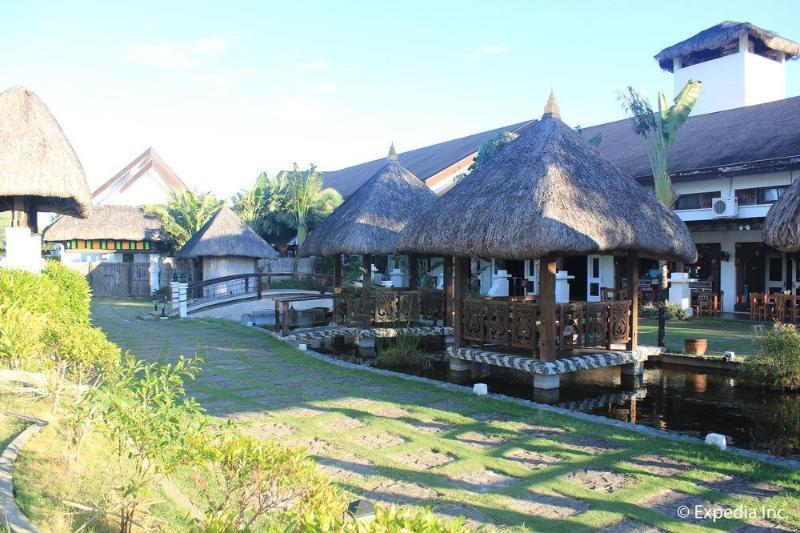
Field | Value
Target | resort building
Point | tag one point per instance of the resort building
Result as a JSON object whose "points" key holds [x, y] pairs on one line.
{"points": [[733, 158], [120, 246]]}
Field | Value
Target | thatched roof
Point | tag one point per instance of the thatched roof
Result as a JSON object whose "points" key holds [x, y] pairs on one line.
{"points": [[119, 222], [782, 225], [36, 159], [722, 34], [548, 193], [225, 235], [369, 221]]}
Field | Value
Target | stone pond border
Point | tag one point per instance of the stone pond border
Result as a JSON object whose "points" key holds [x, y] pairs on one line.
{"points": [[644, 430], [13, 517]]}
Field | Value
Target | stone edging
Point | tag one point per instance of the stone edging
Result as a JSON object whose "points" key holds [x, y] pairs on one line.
{"points": [[14, 518], [545, 368], [644, 430]]}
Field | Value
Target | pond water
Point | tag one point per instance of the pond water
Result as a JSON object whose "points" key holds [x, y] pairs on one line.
{"points": [[680, 399]]}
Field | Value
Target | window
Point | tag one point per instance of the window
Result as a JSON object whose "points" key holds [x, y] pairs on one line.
{"points": [[700, 200], [760, 195], [595, 267], [776, 269]]}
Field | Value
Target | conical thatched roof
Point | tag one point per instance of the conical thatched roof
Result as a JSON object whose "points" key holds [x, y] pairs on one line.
{"points": [[369, 221], [782, 225], [548, 193], [118, 222], [724, 33], [225, 235], [36, 159]]}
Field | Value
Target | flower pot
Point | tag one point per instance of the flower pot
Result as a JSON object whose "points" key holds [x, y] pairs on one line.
{"points": [[695, 346]]}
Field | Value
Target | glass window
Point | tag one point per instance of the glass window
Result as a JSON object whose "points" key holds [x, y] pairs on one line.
{"points": [[594, 289], [760, 195], [595, 267], [700, 200], [776, 269]]}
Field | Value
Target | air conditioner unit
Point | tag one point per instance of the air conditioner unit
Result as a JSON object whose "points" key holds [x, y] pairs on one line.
{"points": [[725, 207]]}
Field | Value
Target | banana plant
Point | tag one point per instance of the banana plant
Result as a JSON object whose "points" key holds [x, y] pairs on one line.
{"points": [[659, 129]]}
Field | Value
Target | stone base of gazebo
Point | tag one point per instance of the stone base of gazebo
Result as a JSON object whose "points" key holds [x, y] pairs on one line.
{"points": [[364, 338], [546, 373]]}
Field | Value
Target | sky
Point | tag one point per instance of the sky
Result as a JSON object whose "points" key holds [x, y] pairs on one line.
{"points": [[224, 90]]}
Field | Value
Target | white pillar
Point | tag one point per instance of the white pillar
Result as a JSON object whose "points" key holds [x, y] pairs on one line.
{"points": [[562, 286], [727, 272], [183, 289], [680, 293], [155, 271], [23, 250], [499, 284]]}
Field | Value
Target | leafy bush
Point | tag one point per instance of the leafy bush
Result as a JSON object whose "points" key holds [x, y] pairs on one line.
{"points": [[405, 351], [671, 311], [305, 282], [387, 519], [73, 294], [20, 335], [777, 363]]}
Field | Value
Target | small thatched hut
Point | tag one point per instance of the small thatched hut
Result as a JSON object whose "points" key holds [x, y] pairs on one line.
{"points": [[548, 194], [39, 170], [225, 246], [782, 224]]}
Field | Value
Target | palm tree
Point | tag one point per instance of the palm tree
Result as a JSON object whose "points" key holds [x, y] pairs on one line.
{"points": [[185, 213], [265, 208], [659, 129], [308, 200]]}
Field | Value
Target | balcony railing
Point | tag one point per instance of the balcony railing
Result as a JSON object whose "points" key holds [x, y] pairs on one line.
{"points": [[516, 323], [387, 307]]}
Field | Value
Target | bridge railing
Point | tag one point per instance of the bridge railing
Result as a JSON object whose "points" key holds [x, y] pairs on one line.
{"points": [[245, 286]]}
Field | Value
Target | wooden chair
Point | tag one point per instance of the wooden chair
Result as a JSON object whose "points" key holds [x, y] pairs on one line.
{"points": [[705, 303], [608, 294], [757, 309], [774, 307], [792, 309]]}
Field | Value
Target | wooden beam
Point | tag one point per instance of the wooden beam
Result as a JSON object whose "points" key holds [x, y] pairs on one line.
{"points": [[447, 265], [633, 280], [460, 290], [23, 214], [413, 271], [337, 273], [547, 309], [366, 288]]}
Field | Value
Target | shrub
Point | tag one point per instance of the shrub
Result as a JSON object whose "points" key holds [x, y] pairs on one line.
{"points": [[20, 336], [387, 519], [777, 363], [671, 311], [405, 351], [73, 295]]}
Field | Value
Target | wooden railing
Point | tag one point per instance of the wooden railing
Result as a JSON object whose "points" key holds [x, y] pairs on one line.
{"points": [[242, 286], [387, 307], [516, 322]]}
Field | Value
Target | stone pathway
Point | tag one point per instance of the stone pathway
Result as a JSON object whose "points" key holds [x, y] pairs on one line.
{"points": [[397, 441]]}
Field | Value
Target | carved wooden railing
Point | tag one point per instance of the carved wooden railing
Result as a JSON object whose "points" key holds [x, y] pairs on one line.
{"points": [[387, 307], [516, 323]]}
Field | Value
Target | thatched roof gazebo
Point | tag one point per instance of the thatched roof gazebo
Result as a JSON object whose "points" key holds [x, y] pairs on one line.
{"points": [[225, 246], [111, 223], [547, 194], [39, 171], [369, 221], [782, 224]]}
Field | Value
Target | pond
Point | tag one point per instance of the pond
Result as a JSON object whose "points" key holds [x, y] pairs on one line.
{"points": [[680, 399]]}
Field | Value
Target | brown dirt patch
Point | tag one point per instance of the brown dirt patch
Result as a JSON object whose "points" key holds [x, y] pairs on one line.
{"points": [[548, 505], [592, 445], [390, 491], [484, 480], [303, 412], [741, 487], [473, 519], [353, 402], [669, 501], [425, 459], [316, 446], [431, 426], [531, 459], [540, 431], [493, 416], [346, 468], [628, 525], [342, 423], [269, 430], [479, 439], [599, 480], [390, 412], [379, 441], [660, 465]]}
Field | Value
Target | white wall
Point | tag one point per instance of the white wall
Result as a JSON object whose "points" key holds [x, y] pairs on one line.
{"points": [[733, 81], [150, 188], [727, 241], [217, 267]]}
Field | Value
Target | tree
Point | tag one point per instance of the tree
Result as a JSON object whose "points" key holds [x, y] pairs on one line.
{"points": [[309, 201], [489, 147], [659, 129], [185, 213]]}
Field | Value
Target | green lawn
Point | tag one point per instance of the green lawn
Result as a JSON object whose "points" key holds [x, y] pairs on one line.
{"points": [[398, 441], [723, 335]]}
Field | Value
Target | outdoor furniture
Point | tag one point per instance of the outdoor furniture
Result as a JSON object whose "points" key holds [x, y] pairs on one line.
{"points": [[607, 294], [774, 307], [757, 306], [705, 303]]}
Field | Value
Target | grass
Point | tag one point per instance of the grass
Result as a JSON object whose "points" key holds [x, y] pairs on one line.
{"points": [[45, 483], [723, 334], [273, 390]]}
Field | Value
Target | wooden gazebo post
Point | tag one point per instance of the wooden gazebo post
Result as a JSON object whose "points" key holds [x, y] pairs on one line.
{"points": [[460, 291], [337, 273], [633, 290], [413, 271], [547, 309], [447, 265], [366, 286]]}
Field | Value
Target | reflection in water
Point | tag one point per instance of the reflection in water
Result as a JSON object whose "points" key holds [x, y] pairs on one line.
{"points": [[682, 400]]}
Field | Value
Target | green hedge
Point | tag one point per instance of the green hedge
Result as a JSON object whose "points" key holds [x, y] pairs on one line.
{"points": [[44, 319]]}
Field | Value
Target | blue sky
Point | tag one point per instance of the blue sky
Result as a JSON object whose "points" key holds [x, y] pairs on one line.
{"points": [[224, 90]]}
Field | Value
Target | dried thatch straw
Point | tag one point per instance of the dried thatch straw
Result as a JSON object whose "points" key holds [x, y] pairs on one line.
{"points": [[117, 222], [225, 235], [722, 34], [369, 221], [548, 193], [36, 159], [782, 225]]}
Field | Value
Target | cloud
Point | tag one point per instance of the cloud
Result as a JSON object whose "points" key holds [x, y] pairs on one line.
{"points": [[316, 64], [178, 54], [486, 51]]}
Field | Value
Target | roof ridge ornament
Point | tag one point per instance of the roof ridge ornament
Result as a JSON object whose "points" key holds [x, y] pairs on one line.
{"points": [[551, 109], [392, 153]]}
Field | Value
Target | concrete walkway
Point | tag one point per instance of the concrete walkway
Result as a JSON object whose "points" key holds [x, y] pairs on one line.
{"points": [[497, 463], [266, 304]]}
